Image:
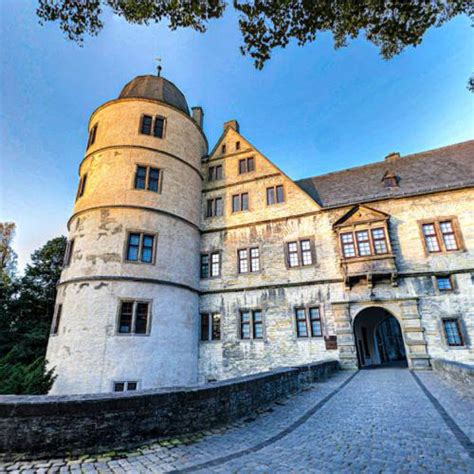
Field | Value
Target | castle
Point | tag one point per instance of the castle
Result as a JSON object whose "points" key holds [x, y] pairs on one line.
{"points": [[186, 266]]}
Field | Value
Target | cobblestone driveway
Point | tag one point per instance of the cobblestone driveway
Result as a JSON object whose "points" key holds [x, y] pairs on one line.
{"points": [[383, 420]]}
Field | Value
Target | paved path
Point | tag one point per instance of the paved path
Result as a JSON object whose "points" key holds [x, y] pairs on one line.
{"points": [[383, 420]]}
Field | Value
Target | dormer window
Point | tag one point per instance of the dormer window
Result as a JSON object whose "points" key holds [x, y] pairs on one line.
{"points": [[390, 180]]}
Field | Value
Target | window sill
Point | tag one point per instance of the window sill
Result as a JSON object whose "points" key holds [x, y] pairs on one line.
{"points": [[131, 335]]}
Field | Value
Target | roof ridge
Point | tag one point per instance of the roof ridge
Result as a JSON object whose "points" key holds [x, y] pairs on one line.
{"points": [[378, 163]]}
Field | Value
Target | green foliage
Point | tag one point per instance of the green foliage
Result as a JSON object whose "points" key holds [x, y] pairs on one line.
{"points": [[391, 25], [26, 312]]}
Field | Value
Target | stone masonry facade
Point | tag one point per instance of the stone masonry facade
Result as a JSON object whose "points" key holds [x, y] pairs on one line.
{"points": [[251, 270]]}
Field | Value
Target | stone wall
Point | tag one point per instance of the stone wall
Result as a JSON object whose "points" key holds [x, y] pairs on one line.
{"points": [[37, 426], [454, 371]]}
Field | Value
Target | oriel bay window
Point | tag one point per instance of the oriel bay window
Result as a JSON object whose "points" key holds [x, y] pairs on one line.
{"points": [[214, 207], [240, 202], [248, 260], [308, 322], [134, 317], [151, 124], [140, 247], [275, 195], [364, 243], [148, 178], [300, 253], [251, 324], [210, 327], [210, 264]]}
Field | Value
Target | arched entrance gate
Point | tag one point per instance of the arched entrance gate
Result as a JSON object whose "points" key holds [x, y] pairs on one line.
{"points": [[378, 338]]}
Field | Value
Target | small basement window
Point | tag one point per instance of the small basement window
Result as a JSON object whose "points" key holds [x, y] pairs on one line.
{"points": [[130, 386]]}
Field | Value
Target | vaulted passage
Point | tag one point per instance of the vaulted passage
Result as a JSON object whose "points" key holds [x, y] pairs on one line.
{"points": [[379, 339]]}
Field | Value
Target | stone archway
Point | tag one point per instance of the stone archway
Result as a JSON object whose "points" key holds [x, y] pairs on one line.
{"points": [[378, 338]]}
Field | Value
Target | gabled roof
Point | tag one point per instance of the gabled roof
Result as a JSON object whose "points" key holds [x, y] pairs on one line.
{"points": [[444, 168], [360, 213]]}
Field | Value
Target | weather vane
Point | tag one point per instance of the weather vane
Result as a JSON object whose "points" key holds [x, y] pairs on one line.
{"points": [[158, 69]]}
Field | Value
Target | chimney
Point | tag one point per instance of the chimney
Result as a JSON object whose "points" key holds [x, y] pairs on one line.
{"points": [[232, 124], [392, 156], [198, 115]]}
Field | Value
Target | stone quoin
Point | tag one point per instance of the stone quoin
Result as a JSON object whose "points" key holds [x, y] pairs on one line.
{"points": [[186, 265]]}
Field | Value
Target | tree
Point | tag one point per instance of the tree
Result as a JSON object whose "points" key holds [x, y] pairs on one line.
{"points": [[391, 25], [26, 313], [7, 254]]}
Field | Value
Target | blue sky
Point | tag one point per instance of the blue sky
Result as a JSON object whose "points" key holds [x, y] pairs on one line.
{"points": [[311, 110]]}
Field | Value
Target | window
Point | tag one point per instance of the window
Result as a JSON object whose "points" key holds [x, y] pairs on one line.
{"points": [[249, 260], [251, 324], [140, 247], [210, 264], [134, 317], [369, 242], [431, 239], [441, 236], [210, 327], [275, 195], [444, 283], [223, 149], [237, 145], [308, 322], [159, 127], [68, 253], [149, 124], [246, 165], [147, 178], [56, 320], [214, 207], [240, 202], [449, 238], [214, 173], [82, 186], [125, 386], [452, 329], [299, 253], [92, 135]]}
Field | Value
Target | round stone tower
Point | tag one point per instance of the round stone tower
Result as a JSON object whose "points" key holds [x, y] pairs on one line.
{"points": [[126, 313]]}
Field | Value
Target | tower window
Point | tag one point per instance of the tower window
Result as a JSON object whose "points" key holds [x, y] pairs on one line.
{"points": [[249, 260], [246, 165], [251, 324], [148, 178], [452, 330], [134, 317], [210, 327], [210, 264], [56, 320], [214, 173], [92, 135], [299, 253], [130, 386], [275, 195], [82, 186], [68, 253], [214, 207], [240, 202], [155, 124], [140, 247]]}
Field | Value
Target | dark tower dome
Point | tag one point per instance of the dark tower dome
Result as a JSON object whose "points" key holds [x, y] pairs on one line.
{"points": [[156, 88]]}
